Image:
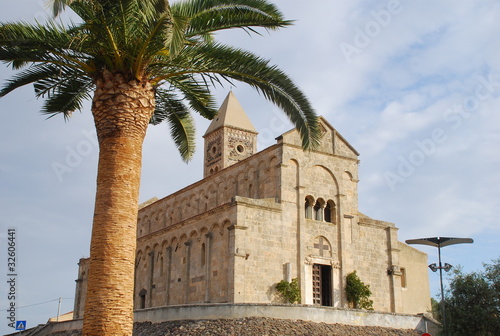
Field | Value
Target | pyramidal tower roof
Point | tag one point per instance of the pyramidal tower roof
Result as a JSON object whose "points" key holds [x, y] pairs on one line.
{"points": [[231, 114]]}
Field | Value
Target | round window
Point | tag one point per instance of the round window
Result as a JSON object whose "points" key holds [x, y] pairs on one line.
{"points": [[240, 149]]}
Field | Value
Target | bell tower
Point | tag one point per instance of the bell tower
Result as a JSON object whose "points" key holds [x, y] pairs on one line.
{"points": [[230, 137]]}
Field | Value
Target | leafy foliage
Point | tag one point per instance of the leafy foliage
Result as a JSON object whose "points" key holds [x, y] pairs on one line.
{"points": [[358, 294], [473, 302], [290, 291], [170, 46], [436, 309]]}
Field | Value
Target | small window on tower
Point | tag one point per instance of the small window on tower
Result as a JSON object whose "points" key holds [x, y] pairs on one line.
{"points": [[403, 277], [240, 149]]}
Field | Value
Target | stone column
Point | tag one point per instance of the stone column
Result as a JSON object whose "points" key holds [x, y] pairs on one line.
{"points": [[151, 277], [394, 270], [336, 287], [236, 255], [342, 246], [187, 270], [208, 258], [169, 275], [301, 244]]}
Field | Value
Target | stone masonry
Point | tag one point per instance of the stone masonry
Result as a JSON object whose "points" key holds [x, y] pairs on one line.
{"points": [[261, 217]]}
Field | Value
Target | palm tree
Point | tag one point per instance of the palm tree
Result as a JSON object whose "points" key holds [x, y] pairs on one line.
{"points": [[141, 62]]}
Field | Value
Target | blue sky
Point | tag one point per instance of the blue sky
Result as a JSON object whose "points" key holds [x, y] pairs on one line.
{"points": [[413, 86]]}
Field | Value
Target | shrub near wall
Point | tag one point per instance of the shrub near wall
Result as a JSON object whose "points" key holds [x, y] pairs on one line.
{"points": [[357, 293]]}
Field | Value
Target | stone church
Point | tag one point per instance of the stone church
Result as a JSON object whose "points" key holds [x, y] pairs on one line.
{"points": [[257, 218]]}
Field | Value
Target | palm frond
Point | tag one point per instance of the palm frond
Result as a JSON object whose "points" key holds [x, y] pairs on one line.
{"points": [[236, 64], [67, 97], [29, 76], [58, 6], [174, 112], [148, 39], [213, 15], [197, 94]]}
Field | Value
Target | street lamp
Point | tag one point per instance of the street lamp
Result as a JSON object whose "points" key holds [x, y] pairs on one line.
{"points": [[440, 242]]}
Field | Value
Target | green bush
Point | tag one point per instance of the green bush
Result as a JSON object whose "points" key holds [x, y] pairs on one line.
{"points": [[290, 291], [358, 294]]}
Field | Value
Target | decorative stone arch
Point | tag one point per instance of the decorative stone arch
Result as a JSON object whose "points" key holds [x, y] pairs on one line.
{"points": [[148, 272], [318, 208], [171, 216], [164, 244], [240, 183], [221, 192], [140, 229], [184, 208], [321, 247], [261, 178], [330, 214], [202, 201], [147, 250], [183, 238], [166, 216], [175, 244], [294, 168], [193, 235], [262, 166], [251, 181], [272, 173], [138, 258], [229, 188], [180, 209], [203, 231], [160, 220], [193, 204], [151, 222], [175, 212], [211, 196], [309, 206], [204, 237], [225, 226], [273, 162], [215, 228], [348, 176], [145, 225], [142, 298], [313, 171], [156, 249]]}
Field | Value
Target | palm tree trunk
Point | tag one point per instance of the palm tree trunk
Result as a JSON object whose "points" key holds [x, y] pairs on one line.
{"points": [[122, 109]]}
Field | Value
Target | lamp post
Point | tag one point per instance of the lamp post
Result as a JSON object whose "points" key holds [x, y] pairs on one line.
{"points": [[440, 242]]}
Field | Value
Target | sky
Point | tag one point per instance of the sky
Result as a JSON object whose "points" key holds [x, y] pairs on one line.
{"points": [[412, 85]]}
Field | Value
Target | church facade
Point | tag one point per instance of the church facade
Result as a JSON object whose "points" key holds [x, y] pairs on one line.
{"points": [[257, 218]]}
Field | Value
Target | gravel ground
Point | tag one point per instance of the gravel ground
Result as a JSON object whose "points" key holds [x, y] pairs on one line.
{"points": [[254, 326]]}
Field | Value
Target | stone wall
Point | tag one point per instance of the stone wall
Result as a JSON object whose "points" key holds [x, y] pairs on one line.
{"points": [[415, 291], [186, 248], [282, 213]]}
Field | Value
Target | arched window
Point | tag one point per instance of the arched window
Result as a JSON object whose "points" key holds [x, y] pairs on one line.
{"points": [[308, 207], [318, 209], [142, 298], [330, 212], [203, 254]]}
